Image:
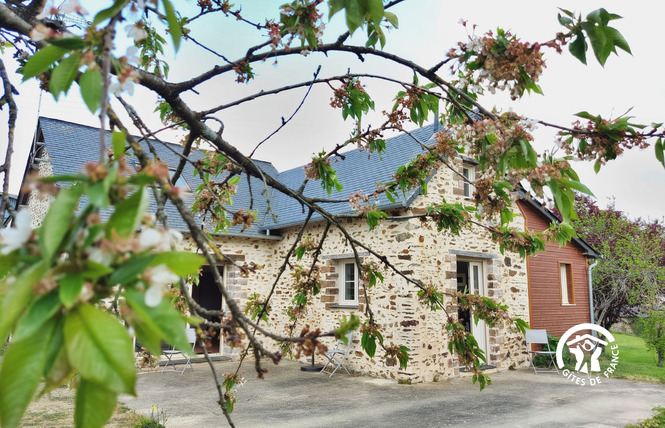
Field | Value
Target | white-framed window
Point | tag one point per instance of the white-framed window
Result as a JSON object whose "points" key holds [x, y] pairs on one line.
{"points": [[348, 283], [469, 173], [566, 281]]}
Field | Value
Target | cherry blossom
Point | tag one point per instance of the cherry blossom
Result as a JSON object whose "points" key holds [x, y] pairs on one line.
{"points": [[14, 238], [159, 278]]}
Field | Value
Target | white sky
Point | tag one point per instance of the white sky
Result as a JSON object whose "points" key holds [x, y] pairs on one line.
{"points": [[428, 29]]}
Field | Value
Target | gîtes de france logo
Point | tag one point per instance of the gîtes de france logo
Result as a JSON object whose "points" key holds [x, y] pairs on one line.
{"points": [[587, 349]]}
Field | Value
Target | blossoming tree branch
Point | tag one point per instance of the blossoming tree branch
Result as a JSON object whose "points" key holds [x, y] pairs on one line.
{"points": [[70, 287]]}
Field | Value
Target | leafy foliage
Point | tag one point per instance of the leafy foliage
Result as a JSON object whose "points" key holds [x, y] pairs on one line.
{"points": [[653, 333], [632, 270], [603, 39], [69, 288]]}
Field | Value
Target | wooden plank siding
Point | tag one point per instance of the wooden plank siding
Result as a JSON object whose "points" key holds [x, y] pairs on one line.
{"points": [[546, 309]]}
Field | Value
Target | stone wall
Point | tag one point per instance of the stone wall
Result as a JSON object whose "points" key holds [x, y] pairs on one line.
{"points": [[412, 246], [39, 202], [416, 248]]}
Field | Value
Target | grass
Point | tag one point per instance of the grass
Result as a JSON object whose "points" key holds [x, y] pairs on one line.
{"points": [[57, 410], [657, 421], [635, 361], [638, 363]]}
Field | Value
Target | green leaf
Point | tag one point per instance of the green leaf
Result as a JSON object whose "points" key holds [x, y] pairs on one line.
{"points": [[100, 348], [93, 270], [335, 6], [64, 74], [18, 296], [618, 39], [70, 288], [368, 343], [354, 15], [56, 223], [109, 12], [587, 115], [42, 60], [659, 151], [174, 24], [128, 271], [601, 42], [20, 373], [68, 43], [128, 214], [57, 369], [38, 313], [182, 263], [392, 18], [599, 16], [576, 185], [564, 20], [91, 86], [154, 324], [65, 177], [118, 140], [7, 264], [97, 195], [578, 47], [94, 405], [375, 9]]}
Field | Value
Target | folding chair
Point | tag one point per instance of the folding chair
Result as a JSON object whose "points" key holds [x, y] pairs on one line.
{"points": [[338, 354], [170, 354], [539, 337]]}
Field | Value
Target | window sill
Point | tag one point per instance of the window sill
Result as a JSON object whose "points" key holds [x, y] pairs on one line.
{"points": [[568, 304], [344, 307]]}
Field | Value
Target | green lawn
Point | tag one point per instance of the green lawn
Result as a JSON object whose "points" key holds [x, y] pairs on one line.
{"points": [[635, 362]]}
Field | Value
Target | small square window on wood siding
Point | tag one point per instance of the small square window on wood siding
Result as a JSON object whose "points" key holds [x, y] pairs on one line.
{"points": [[566, 281]]}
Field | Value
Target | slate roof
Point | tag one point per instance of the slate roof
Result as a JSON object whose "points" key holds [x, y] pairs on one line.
{"points": [[70, 146]]}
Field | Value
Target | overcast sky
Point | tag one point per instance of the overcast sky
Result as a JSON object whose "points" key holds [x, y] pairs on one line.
{"points": [[428, 29]]}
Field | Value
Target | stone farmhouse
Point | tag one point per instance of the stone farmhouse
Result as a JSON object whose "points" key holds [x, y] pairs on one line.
{"points": [[549, 290]]}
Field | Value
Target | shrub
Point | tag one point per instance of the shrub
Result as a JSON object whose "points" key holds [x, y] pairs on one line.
{"points": [[544, 360], [638, 324], [654, 334]]}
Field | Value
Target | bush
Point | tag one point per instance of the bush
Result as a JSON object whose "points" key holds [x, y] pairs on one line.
{"points": [[638, 324], [654, 334], [544, 360]]}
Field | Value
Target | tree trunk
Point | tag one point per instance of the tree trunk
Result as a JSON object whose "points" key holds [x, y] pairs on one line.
{"points": [[661, 357]]}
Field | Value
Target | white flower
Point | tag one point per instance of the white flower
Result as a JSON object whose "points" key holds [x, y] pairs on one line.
{"points": [[161, 240], [100, 256], [159, 277], [132, 55], [14, 238], [149, 238], [136, 31], [529, 124], [118, 88]]}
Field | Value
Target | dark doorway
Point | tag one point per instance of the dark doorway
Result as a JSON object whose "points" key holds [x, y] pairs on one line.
{"points": [[208, 296]]}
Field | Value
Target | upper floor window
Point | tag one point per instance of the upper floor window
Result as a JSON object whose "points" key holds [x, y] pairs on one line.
{"points": [[469, 173], [348, 283], [566, 280]]}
